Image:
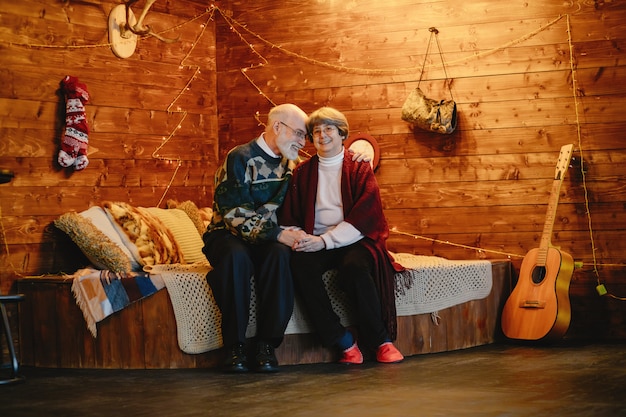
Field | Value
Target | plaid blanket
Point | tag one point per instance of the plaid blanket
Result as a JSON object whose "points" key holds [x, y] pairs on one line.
{"points": [[101, 293]]}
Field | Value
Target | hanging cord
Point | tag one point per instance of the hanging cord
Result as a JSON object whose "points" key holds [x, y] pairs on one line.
{"points": [[600, 288], [433, 33]]}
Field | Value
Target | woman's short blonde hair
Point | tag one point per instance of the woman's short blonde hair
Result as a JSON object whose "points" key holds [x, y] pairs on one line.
{"points": [[328, 116]]}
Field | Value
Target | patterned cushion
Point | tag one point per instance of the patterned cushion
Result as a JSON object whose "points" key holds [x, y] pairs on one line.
{"points": [[148, 238]]}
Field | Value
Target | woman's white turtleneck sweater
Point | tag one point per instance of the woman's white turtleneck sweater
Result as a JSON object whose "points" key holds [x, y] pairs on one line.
{"points": [[329, 223]]}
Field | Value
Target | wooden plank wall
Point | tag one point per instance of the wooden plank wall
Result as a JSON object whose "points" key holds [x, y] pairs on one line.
{"points": [[485, 186], [481, 192], [161, 100]]}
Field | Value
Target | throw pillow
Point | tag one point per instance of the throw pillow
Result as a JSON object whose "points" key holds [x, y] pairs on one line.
{"points": [[151, 240], [99, 218], [192, 211], [99, 249], [184, 232]]}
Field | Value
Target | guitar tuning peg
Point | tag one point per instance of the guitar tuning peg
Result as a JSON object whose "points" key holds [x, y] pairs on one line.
{"points": [[575, 162]]}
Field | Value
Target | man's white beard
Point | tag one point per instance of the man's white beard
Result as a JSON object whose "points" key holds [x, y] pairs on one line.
{"points": [[289, 151]]}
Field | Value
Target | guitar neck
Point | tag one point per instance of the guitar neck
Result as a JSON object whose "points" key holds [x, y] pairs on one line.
{"points": [[548, 225], [561, 167]]}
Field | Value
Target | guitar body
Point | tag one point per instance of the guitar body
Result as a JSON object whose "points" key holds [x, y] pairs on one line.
{"points": [[539, 307]]}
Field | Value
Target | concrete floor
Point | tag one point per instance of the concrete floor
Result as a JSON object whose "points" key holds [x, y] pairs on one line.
{"points": [[496, 380]]}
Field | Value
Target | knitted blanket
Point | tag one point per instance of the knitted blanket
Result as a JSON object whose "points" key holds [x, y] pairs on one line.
{"points": [[438, 283], [198, 319], [435, 284]]}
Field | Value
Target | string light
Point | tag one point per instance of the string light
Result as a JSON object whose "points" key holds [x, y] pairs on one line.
{"points": [[458, 245], [233, 24], [155, 154], [367, 71], [106, 44], [475, 248], [184, 113]]}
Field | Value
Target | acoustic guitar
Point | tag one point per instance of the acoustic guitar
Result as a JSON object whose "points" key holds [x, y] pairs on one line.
{"points": [[539, 307]]}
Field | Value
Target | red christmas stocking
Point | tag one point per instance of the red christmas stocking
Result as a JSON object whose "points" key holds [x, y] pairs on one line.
{"points": [[75, 142]]}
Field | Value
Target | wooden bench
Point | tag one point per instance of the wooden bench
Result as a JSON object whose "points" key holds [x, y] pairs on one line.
{"points": [[53, 332]]}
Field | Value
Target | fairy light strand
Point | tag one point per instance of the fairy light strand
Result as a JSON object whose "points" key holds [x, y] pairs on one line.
{"points": [[235, 24], [155, 154], [106, 44], [232, 23], [366, 71], [394, 230], [184, 113], [458, 245]]}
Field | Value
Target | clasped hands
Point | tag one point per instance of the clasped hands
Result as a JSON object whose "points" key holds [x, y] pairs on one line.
{"points": [[300, 241]]}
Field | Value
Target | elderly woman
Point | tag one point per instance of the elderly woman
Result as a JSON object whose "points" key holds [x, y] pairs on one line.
{"points": [[336, 201]]}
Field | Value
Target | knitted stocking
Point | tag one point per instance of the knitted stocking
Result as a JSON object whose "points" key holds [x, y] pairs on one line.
{"points": [[75, 140]]}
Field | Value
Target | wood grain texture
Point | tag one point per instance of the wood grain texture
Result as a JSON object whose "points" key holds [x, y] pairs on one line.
{"points": [[163, 97]]}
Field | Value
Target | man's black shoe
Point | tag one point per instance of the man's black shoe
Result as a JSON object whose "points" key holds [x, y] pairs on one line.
{"points": [[265, 360], [236, 361]]}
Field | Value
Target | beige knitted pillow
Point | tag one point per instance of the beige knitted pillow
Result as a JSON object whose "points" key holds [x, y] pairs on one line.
{"points": [[101, 251]]}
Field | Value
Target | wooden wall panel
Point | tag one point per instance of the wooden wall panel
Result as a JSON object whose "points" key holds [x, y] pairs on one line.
{"points": [[480, 192], [483, 190], [152, 119]]}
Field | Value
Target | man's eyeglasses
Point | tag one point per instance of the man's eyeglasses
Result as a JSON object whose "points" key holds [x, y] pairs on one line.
{"points": [[299, 133]]}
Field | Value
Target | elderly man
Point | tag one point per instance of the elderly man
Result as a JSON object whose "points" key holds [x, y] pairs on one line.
{"points": [[245, 240]]}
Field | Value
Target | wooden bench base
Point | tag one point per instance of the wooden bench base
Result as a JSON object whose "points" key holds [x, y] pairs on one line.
{"points": [[143, 335]]}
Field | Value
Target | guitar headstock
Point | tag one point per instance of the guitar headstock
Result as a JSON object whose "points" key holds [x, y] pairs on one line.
{"points": [[563, 163]]}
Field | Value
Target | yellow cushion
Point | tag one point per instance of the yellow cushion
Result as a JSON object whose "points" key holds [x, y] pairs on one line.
{"points": [[192, 211], [184, 231]]}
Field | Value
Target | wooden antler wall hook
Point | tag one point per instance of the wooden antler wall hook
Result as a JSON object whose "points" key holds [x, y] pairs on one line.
{"points": [[124, 28]]}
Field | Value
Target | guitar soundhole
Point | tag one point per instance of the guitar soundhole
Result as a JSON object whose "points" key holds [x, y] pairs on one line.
{"points": [[539, 273]]}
